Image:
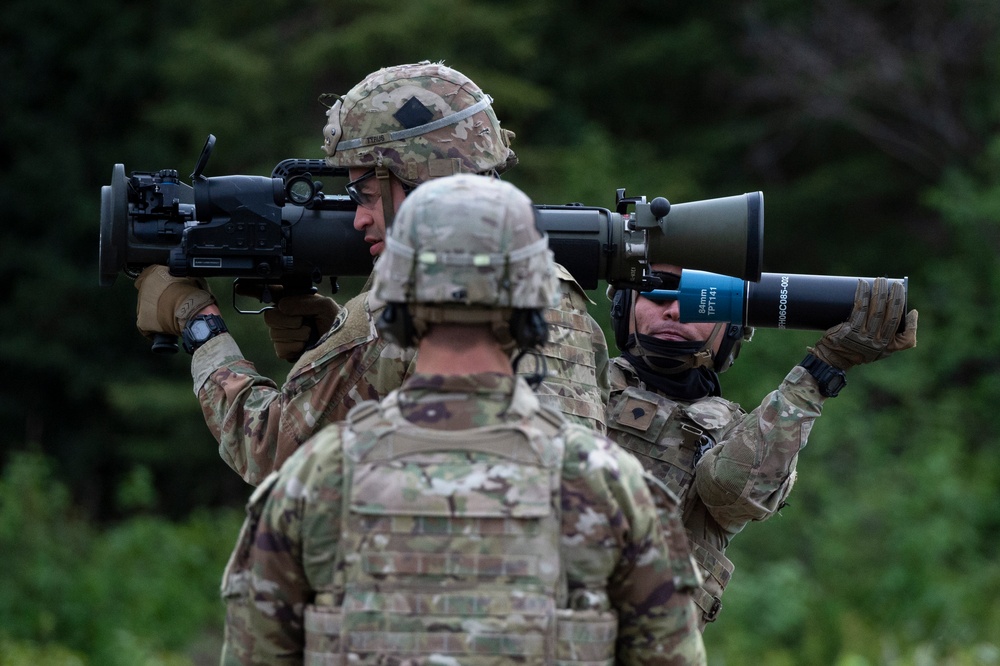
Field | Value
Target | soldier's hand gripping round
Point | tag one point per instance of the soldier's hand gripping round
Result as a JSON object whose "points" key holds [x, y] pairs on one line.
{"points": [[872, 331], [166, 302]]}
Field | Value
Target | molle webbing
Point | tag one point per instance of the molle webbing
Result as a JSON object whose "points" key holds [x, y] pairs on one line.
{"points": [[571, 384], [662, 435], [717, 570], [692, 441], [669, 447], [449, 564], [583, 638]]}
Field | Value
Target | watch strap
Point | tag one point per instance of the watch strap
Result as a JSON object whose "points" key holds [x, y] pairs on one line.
{"points": [[829, 378]]}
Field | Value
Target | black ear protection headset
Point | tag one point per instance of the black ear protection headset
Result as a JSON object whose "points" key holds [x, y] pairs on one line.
{"points": [[395, 324], [528, 327], [732, 338], [621, 311]]}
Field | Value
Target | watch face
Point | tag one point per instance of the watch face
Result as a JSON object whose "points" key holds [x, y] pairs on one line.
{"points": [[200, 329]]}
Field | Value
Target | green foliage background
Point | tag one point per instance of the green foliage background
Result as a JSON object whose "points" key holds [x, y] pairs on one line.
{"points": [[871, 127]]}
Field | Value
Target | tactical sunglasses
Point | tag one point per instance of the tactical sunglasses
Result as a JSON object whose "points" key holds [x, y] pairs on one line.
{"points": [[667, 291], [358, 195]]}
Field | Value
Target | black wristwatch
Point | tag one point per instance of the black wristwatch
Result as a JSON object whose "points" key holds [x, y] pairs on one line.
{"points": [[200, 329], [829, 378]]}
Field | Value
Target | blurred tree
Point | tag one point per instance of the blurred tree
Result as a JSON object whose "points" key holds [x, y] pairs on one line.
{"points": [[70, 97], [861, 107]]}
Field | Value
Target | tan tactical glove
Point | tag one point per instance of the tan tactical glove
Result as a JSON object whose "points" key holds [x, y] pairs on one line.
{"points": [[871, 332], [295, 320], [166, 302], [298, 321]]}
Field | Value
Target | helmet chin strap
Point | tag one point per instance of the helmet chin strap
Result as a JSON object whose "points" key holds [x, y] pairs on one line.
{"points": [[384, 177], [651, 350], [645, 347]]}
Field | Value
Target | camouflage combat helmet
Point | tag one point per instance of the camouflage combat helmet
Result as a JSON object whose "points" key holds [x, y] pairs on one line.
{"points": [[418, 122], [464, 249]]}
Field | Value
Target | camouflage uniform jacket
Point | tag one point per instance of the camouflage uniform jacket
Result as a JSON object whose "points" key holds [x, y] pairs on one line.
{"points": [[612, 548], [258, 425], [727, 467]]}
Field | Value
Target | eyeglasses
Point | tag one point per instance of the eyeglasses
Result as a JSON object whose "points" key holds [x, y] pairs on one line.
{"points": [[667, 291], [358, 195]]}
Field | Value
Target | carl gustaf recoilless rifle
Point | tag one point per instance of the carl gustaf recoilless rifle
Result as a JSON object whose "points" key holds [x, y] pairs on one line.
{"points": [[284, 230]]}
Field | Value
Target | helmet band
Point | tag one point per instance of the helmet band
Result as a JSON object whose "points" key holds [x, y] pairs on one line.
{"points": [[399, 135], [479, 259]]}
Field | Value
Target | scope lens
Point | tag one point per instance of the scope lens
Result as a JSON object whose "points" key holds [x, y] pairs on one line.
{"points": [[300, 190]]}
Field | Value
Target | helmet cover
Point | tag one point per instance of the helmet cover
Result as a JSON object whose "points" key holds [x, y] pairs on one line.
{"points": [[420, 121], [464, 247]]}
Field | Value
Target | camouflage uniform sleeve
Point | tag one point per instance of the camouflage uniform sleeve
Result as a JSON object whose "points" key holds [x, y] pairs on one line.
{"points": [[242, 408], [751, 473], [657, 624], [284, 555], [258, 425]]}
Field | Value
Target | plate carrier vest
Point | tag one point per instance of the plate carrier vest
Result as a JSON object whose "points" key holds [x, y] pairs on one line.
{"points": [[450, 549], [669, 439]]}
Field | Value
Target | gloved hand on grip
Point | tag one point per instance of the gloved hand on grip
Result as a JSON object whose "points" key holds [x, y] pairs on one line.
{"points": [[872, 331], [296, 320], [166, 302]]}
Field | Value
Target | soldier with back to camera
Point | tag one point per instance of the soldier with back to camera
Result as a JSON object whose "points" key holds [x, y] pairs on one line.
{"points": [[729, 467], [399, 127], [458, 520]]}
